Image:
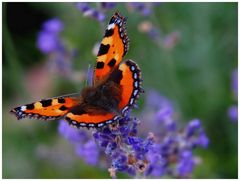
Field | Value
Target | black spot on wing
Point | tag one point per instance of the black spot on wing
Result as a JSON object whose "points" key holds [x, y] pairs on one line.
{"points": [[103, 49], [100, 65], [63, 108], [109, 32], [77, 110], [116, 76], [30, 106], [61, 100], [112, 62], [46, 103]]}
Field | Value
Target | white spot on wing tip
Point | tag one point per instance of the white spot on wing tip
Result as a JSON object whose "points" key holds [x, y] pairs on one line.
{"points": [[23, 108], [111, 26]]}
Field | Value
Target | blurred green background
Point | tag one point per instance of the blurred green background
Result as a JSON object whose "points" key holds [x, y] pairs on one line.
{"points": [[195, 74]]}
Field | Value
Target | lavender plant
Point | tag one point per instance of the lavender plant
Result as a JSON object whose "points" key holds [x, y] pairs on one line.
{"points": [[233, 109], [163, 152], [59, 56], [151, 147]]}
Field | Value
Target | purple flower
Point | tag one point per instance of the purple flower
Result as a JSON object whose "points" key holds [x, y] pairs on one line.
{"points": [[48, 38], [108, 5], [88, 152], [152, 31], [203, 140], [88, 11], [166, 153], [47, 42], [233, 110], [171, 39], [53, 25], [126, 150], [171, 147], [143, 8], [185, 164], [192, 127], [72, 134], [84, 144], [233, 113]]}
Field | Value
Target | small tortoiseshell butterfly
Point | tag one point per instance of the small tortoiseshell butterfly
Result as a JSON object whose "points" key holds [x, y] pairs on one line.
{"points": [[114, 91]]}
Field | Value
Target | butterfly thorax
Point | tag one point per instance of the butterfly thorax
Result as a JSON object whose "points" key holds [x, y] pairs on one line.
{"points": [[104, 98]]}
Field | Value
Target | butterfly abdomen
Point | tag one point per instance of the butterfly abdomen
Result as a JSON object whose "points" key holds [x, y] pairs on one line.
{"points": [[106, 97]]}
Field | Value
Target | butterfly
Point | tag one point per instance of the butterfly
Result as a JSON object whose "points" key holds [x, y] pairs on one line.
{"points": [[116, 87]]}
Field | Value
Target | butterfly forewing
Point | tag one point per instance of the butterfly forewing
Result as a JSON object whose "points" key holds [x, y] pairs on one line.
{"points": [[47, 109], [112, 49]]}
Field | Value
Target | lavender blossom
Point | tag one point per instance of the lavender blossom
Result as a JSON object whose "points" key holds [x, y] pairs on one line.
{"points": [[185, 164], [233, 113], [164, 152], [148, 28], [48, 37], [143, 8], [234, 83], [89, 152], [88, 11], [53, 25], [83, 142], [50, 43], [170, 40], [108, 5], [171, 153], [233, 109]]}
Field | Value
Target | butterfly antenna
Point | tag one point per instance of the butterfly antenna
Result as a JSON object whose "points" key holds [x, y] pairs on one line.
{"points": [[90, 75]]}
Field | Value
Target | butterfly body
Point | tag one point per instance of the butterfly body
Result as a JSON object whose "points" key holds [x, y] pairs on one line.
{"points": [[116, 87]]}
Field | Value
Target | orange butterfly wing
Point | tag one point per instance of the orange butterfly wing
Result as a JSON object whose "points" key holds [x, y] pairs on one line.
{"points": [[47, 109], [112, 49], [91, 120], [128, 76]]}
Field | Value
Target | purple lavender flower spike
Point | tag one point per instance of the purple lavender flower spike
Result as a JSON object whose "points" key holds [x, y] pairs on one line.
{"points": [[108, 5], [166, 153], [48, 38], [47, 42], [143, 8], [233, 110], [235, 82], [72, 134], [185, 164], [88, 152], [192, 127], [83, 6], [90, 12], [203, 140], [53, 25], [233, 113]]}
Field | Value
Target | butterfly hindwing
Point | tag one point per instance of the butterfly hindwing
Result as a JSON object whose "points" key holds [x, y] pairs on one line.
{"points": [[91, 120], [46, 109], [128, 76], [113, 47]]}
